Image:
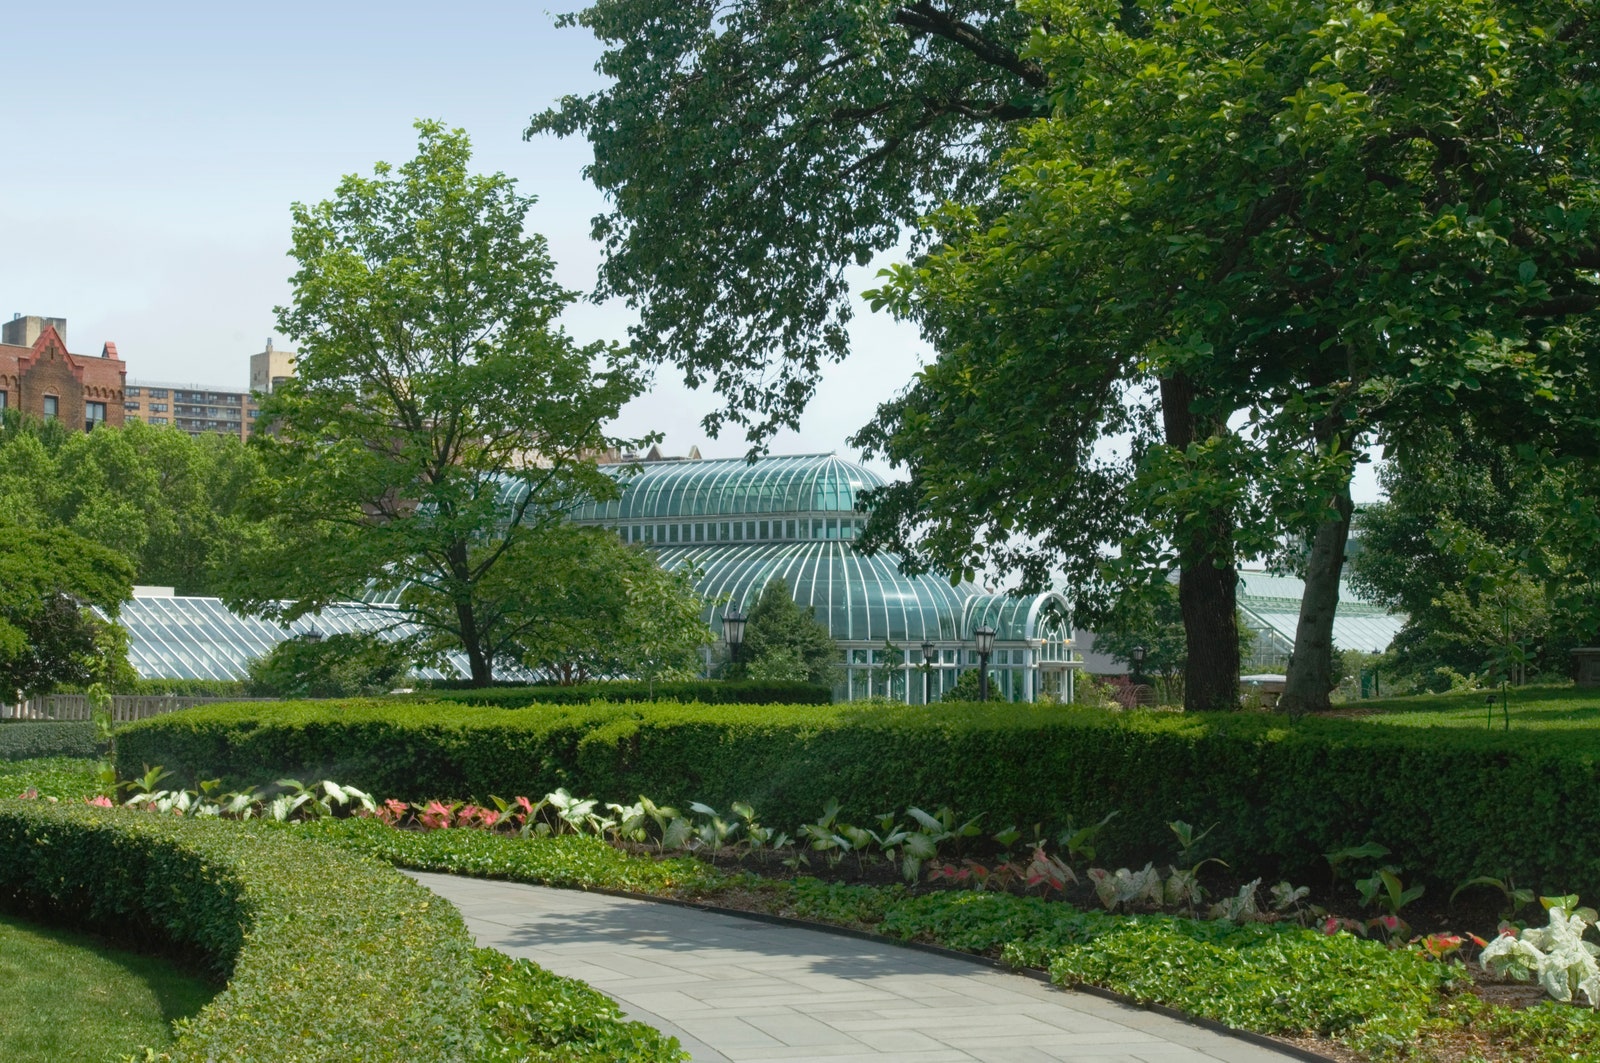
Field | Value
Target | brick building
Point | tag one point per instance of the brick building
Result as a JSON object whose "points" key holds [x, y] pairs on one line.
{"points": [[41, 378]]}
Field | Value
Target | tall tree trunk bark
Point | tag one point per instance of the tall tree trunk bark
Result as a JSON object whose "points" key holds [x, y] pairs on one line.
{"points": [[1310, 678], [1207, 580], [478, 660]]}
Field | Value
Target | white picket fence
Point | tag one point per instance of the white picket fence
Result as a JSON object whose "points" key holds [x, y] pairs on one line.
{"points": [[124, 707]]}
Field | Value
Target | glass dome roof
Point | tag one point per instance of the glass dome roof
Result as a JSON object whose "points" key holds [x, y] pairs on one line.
{"points": [[861, 598], [805, 483]]}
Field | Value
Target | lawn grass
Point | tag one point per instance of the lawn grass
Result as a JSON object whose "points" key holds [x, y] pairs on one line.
{"points": [[65, 998], [1541, 708], [64, 778]]}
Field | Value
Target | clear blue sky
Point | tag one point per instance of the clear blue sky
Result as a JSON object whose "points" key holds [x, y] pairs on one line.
{"points": [[152, 151]]}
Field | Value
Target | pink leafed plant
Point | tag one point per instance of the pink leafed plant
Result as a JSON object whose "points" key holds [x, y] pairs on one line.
{"points": [[99, 801]]}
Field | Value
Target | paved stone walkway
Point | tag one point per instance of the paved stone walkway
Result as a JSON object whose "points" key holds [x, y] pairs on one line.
{"points": [[733, 989]]}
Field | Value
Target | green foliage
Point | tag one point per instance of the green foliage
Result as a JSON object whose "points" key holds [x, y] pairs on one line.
{"points": [[48, 632], [1487, 549], [1269, 979], [609, 609], [341, 665], [1280, 793], [570, 860], [784, 640], [290, 924], [117, 1000], [168, 502], [440, 423], [185, 688], [705, 691], [22, 739], [533, 1016], [66, 778], [965, 689]]}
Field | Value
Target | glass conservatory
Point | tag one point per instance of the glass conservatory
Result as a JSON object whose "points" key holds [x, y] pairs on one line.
{"points": [[742, 524]]}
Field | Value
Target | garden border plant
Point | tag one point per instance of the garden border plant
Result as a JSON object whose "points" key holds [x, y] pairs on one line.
{"points": [[1281, 793]]}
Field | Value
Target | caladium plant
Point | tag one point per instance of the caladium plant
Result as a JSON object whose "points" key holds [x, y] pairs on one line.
{"points": [[1556, 955]]}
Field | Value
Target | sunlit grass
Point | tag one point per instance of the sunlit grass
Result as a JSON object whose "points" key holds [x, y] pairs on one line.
{"points": [[66, 998], [1532, 707]]}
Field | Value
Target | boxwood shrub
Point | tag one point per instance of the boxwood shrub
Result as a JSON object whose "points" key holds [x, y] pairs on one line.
{"points": [[328, 956], [26, 739], [1450, 803], [704, 691]]}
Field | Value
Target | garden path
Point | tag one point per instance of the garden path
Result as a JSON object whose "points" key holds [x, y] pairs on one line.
{"points": [[733, 989]]}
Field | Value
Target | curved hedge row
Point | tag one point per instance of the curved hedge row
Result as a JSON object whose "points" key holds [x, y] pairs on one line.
{"points": [[1450, 803], [328, 956]]}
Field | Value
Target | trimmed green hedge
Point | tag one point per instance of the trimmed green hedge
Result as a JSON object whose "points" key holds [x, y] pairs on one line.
{"points": [[702, 691], [26, 739], [1450, 803], [330, 957]]}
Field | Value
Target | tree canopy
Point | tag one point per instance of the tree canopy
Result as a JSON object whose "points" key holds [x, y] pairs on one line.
{"points": [[784, 640], [50, 580], [441, 423]]}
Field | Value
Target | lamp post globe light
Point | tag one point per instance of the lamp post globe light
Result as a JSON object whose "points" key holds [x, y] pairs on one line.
{"points": [[1138, 664], [733, 622], [984, 637], [927, 673]]}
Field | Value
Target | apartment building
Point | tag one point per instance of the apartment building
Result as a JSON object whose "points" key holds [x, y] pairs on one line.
{"points": [[197, 409], [41, 378]]}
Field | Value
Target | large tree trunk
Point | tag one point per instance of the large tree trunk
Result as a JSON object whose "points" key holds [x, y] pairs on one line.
{"points": [[1310, 678], [1207, 581]]}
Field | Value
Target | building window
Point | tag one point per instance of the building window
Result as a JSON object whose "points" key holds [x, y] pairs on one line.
{"points": [[131, 418], [131, 406], [94, 413], [766, 530], [158, 393], [52, 407], [699, 533], [158, 407], [132, 393], [2, 400]]}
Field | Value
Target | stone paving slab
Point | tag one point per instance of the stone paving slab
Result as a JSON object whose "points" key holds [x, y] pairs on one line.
{"points": [[734, 990]]}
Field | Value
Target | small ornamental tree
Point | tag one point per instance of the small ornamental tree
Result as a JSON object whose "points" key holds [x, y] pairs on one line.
{"points": [[782, 636]]}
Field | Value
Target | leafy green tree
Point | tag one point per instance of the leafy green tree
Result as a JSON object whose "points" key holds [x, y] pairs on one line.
{"points": [[168, 502], [1488, 550], [782, 635], [1250, 236], [608, 610], [342, 665], [441, 422], [50, 583]]}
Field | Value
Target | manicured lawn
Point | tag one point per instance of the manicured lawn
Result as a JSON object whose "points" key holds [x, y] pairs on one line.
{"points": [[65, 998], [1532, 707], [66, 778]]}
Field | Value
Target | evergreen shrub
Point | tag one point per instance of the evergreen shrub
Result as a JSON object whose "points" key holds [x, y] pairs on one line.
{"points": [[1450, 803], [704, 691], [27, 739]]}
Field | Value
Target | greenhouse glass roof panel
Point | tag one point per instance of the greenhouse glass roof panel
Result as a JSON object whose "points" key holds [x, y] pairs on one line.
{"points": [[733, 487]]}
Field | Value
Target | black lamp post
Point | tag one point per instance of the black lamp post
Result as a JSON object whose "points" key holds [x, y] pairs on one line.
{"points": [[927, 673], [313, 636], [733, 633], [984, 637], [1138, 665]]}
